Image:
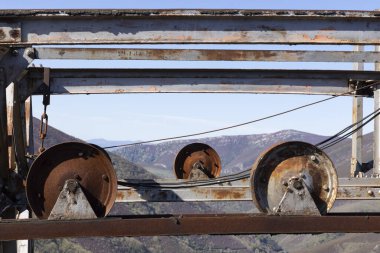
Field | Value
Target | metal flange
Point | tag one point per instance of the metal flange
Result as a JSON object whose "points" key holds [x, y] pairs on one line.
{"points": [[87, 164], [276, 169], [197, 161]]}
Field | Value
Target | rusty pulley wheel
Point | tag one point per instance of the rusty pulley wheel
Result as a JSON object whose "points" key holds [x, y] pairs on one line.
{"points": [[194, 158], [288, 161], [85, 163]]}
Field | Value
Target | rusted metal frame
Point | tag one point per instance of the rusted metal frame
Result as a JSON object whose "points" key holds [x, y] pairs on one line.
{"points": [[188, 12], [196, 194], [364, 189], [85, 53], [376, 130], [10, 95], [187, 26], [4, 162], [92, 81], [357, 137], [15, 120], [175, 225]]}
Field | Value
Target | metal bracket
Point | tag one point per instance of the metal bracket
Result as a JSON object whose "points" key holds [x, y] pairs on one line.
{"points": [[297, 200], [199, 172], [362, 87], [72, 204]]}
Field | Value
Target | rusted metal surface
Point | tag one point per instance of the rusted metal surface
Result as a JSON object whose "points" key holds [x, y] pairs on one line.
{"points": [[276, 167], [64, 53], [99, 81], [159, 225], [197, 194], [197, 160], [348, 189], [82, 162], [190, 26], [10, 32]]}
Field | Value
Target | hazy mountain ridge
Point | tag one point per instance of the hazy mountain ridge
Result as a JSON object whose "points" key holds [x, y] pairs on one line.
{"points": [[240, 152]]}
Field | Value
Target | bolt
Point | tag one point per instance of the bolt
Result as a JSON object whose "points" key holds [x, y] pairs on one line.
{"points": [[105, 177], [297, 185], [14, 52], [326, 187], [80, 154], [77, 177], [370, 193], [313, 157], [72, 185], [30, 53]]}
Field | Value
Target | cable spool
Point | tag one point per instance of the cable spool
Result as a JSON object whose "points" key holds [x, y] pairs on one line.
{"points": [[287, 174], [87, 164], [197, 161]]}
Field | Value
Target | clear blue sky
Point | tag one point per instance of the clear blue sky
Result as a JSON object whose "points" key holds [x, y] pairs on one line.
{"points": [[150, 116]]}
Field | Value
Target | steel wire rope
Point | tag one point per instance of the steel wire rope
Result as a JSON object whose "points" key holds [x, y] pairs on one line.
{"points": [[245, 173], [240, 124]]}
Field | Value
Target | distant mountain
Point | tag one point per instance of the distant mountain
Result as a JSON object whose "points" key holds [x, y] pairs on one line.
{"points": [[107, 143], [239, 152]]}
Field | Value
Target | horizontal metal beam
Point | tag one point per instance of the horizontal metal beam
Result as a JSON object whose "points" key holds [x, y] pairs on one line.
{"points": [[25, 27], [175, 225], [138, 191], [105, 81], [64, 53]]}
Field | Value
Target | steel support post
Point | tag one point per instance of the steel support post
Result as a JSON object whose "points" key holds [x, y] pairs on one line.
{"points": [[357, 115], [4, 164], [376, 131]]}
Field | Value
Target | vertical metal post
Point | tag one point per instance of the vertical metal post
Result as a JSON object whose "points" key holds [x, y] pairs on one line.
{"points": [[29, 140], [4, 164], [357, 137], [9, 98], [376, 131], [29, 144]]}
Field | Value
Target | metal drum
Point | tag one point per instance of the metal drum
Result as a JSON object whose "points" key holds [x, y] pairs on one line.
{"points": [[89, 165], [197, 161], [296, 164]]}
